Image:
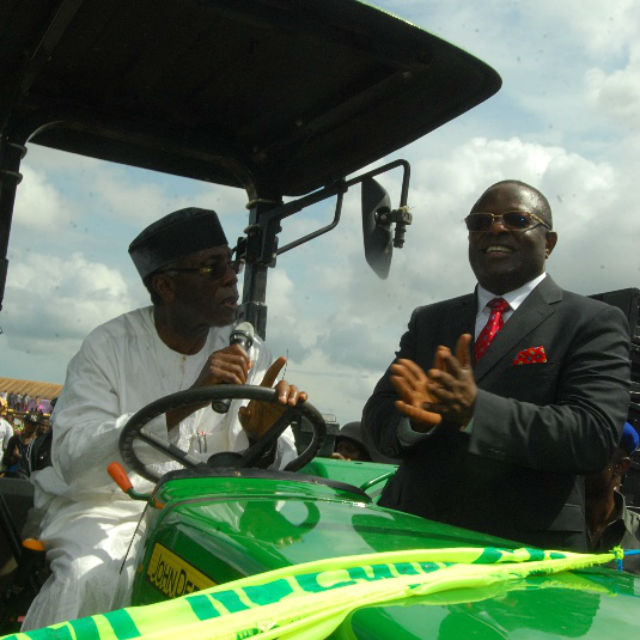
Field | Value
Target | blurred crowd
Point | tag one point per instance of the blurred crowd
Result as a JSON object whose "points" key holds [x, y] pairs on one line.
{"points": [[19, 403], [25, 434]]}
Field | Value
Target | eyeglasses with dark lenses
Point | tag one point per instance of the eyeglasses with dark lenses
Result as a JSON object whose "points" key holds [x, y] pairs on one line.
{"points": [[513, 220], [214, 271]]}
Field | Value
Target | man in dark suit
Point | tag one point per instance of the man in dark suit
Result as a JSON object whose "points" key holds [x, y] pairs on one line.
{"points": [[495, 433]]}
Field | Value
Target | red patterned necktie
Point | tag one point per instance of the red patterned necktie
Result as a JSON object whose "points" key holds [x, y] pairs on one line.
{"points": [[498, 306]]}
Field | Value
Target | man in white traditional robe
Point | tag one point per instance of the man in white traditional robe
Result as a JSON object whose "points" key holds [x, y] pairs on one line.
{"points": [[180, 342]]}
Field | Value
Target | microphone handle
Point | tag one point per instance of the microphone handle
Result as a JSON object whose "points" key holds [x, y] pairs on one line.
{"points": [[222, 405]]}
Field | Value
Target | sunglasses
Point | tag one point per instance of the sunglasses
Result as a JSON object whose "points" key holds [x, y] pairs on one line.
{"points": [[512, 220], [213, 271]]}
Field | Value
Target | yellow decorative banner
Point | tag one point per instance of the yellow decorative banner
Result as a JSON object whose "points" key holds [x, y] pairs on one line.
{"points": [[308, 601]]}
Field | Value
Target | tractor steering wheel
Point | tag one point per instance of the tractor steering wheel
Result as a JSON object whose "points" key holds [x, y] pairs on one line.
{"points": [[133, 430]]}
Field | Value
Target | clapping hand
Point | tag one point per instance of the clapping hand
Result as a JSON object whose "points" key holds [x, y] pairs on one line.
{"points": [[447, 391], [452, 384], [416, 400]]}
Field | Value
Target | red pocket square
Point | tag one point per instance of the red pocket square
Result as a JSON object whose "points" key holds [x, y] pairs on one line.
{"points": [[532, 355]]}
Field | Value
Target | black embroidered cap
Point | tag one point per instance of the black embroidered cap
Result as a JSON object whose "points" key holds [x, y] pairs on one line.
{"points": [[175, 235]]}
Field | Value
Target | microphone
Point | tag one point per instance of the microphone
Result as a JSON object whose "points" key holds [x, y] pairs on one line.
{"points": [[243, 335]]}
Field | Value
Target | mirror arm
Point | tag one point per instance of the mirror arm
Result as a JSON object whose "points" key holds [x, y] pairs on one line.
{"points": [[319, 232], [256, 248], [406, 175], [289, 208], [266, 255], [400, 216]]}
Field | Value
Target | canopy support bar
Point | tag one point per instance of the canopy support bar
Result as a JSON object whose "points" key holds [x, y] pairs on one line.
{"points": [[11, 153], [260, 252]]}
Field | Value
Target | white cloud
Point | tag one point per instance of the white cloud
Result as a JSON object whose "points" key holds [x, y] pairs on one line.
{"points": [[39, 206], [336, 390], [84, 295], [604, 29], [87, 190], [288, 334], [617, 93], [529, 32], [135, 202], [352, 342], [128, 197], [62, 162]]}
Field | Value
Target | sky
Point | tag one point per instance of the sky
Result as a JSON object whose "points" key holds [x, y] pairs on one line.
{"points": [[566, 120]]}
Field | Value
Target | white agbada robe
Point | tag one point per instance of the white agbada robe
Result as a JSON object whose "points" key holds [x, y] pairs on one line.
{"points": [[88, 523]]}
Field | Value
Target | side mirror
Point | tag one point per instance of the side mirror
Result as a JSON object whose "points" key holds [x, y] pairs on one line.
{"points": [[376, 228]]}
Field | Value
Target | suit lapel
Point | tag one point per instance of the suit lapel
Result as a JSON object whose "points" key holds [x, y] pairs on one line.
{"points": [[460, 319], [537, 307]]}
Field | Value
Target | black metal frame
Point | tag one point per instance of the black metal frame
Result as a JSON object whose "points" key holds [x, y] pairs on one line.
{"points": [[260, 248], [12, 138]]}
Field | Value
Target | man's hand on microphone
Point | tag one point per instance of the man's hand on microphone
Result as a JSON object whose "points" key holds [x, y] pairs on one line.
{"points": [[257, 417], [227, 366], [230, 365]]}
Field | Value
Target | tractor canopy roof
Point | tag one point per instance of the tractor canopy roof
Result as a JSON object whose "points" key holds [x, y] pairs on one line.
{"points": [[252, 93]]}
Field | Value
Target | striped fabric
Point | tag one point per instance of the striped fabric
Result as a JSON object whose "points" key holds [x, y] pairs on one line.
{"points": [[309, 601]]}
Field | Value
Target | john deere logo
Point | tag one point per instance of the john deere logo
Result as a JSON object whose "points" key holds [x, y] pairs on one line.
{"points": [[173, 576]]}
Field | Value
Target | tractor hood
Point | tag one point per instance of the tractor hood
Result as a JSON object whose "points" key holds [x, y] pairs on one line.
{"points": [[211, 531]]}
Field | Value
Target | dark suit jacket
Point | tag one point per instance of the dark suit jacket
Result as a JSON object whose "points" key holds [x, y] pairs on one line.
{"points": [[536, 427]]}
